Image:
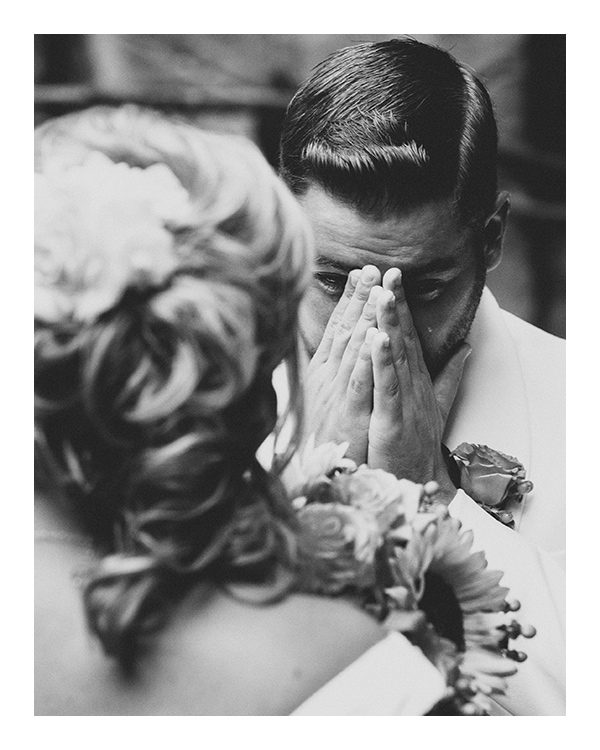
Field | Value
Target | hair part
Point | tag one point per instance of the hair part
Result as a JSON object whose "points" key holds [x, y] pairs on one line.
{"points": [[388, 126]]}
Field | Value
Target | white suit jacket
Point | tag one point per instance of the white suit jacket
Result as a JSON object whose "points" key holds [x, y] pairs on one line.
{"points": [[512, 397]]}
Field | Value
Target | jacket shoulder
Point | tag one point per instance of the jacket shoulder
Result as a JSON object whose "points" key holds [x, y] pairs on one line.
{"points": [[526, 334], [542, 357], [534, 344]]}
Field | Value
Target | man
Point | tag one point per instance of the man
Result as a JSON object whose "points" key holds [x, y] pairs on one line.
{"points": [[391, 148]]}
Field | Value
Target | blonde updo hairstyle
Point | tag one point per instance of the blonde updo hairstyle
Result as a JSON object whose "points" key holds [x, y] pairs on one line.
{"points": [[150, 415]]}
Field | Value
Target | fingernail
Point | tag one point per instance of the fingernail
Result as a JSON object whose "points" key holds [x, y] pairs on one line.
{"points": [[370, 335], [431, 487], [374, 293], [369, 273]]}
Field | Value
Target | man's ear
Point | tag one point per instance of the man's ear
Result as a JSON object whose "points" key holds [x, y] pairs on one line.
{"points": [[494, 229]]}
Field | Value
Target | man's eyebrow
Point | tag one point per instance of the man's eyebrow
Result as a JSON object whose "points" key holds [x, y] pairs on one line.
{"points": [[435, 265], [322, 260]]}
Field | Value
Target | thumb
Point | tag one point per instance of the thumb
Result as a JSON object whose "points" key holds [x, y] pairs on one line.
{"points": [[446, 384]]}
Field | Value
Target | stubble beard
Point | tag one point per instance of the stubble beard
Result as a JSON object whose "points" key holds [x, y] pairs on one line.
{"points": [[460, 330]]}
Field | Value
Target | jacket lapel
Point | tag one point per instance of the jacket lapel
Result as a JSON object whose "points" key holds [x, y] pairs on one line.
{"points": [[491, 404]]}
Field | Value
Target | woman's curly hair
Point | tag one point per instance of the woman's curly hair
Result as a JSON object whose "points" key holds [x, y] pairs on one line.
{"points": [[150, 415]]}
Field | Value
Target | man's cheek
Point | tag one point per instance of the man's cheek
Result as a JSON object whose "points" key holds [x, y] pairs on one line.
{"points": [[314, 315], [432, 330]]}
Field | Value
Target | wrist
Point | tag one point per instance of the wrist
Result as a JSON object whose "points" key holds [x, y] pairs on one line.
{"points": [[446, 492], [447, 487]]}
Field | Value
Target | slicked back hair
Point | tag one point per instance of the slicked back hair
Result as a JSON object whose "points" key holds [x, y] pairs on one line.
{"points": [[388, 126]]}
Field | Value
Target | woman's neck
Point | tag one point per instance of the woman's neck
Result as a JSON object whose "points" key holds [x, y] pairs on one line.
{"points": [[53, 521]]}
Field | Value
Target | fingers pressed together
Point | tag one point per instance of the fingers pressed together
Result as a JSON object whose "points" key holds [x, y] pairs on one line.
{"points": [[370, 385], [370, 345]]}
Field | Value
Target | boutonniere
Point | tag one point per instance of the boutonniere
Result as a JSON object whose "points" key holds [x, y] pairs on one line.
{"points": [[492, 478]]}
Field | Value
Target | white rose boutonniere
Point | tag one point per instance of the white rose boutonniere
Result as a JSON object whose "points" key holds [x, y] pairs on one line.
{"points": [[493, 479]]}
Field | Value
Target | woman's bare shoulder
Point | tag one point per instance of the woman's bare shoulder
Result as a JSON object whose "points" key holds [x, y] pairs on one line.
{"points": [[238, 658], [218, 655]]}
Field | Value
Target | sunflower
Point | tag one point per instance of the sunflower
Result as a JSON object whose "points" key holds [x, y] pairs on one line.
{"points": [[436, 572], [368, 535]]}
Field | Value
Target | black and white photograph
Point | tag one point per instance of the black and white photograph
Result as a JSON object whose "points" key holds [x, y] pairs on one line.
{"points": [[299, 375]]}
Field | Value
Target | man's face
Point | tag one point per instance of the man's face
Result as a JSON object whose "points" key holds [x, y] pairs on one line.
{"points": [[442, 267]]}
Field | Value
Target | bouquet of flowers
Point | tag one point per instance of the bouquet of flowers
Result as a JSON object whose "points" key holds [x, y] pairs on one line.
{"points": [[384, 542]]}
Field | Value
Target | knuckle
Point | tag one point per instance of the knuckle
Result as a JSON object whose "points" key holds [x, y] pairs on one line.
{"points": [[356, 385], [344, 328], [402, 357], [392, 388], [388, 390], [334, 321], [362, 292], [369, 311], [340, 342], [384, 355], [410, 334]]}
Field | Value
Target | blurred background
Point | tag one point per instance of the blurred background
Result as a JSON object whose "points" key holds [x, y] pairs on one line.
{"points": [[241, 83]]}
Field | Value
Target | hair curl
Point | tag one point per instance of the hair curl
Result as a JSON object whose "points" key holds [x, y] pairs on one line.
{"points": [[150, 416]]}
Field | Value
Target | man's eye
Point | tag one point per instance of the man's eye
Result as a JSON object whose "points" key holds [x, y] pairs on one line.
{"points": [[424, 291], [332, 283]]}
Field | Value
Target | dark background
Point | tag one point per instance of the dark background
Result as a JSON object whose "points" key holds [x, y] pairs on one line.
{"points": [[242, 83]]}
